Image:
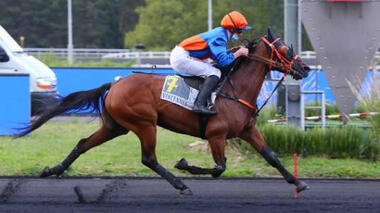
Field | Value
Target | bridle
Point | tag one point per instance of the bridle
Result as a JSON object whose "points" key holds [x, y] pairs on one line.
{"points": [[283, 65]]}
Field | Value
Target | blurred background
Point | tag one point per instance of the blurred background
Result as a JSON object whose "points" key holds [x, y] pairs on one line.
{"points": [[83, 44]]}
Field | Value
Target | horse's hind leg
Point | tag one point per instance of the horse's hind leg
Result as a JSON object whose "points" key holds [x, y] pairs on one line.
{"points": [[100, 136], [147, 136], [217, 144], [254, 137]]}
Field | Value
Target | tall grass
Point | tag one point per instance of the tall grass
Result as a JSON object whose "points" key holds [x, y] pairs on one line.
{"points": [[265, 115], [335, 142], [371, 103]]}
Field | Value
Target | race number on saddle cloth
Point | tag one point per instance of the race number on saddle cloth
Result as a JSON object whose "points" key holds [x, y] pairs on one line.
{"points": [[177, 91], [189, 55]]}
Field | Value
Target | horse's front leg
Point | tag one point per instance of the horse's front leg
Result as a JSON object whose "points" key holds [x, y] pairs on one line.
{"points": [[217, 144], [254, 137], [147, 135]]}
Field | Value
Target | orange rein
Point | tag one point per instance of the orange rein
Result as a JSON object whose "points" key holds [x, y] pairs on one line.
{"points": [[285, 66]]}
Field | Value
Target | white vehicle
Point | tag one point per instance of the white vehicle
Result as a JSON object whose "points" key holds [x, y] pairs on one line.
{"points": [[43, 82]]}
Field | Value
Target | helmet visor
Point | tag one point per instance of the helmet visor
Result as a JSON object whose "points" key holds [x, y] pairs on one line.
{"points": [[240, 30]]}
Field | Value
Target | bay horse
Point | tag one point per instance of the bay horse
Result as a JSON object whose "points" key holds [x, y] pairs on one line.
{"points": [[134, 104]]}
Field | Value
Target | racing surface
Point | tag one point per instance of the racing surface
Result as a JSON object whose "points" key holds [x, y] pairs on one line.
{"points": [[20, 194]]}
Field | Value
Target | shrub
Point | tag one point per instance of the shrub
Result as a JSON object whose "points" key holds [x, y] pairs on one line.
{"points": [[336, 142]]}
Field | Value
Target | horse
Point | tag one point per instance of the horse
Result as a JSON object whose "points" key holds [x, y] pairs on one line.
{"points": [[133, 104]]}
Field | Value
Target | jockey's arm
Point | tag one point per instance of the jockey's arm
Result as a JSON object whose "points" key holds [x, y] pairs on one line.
{"points": [[220, 54], [241, 51]]}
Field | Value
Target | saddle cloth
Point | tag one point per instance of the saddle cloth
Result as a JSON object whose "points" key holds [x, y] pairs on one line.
{"points": [[177, 91]]}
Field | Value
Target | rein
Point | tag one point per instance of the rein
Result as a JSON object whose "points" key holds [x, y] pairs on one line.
{"points": [[284, 66], [235, 97]]}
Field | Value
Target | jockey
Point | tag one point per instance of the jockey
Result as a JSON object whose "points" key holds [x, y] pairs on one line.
{"points": [[189, 55]]}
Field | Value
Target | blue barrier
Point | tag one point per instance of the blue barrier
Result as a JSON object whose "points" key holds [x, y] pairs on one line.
{"points": [[15, 102], [315, 81], [77, 79]]}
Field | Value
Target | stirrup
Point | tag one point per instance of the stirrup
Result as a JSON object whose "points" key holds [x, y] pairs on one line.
{"points": [[204, 110]]}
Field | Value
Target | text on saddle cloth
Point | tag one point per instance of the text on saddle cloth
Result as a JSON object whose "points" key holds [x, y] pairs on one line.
{"points": [[177, 91]]}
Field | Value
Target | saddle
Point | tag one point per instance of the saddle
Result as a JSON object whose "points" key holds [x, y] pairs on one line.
{"points": [[196, 82], [182, 90]]}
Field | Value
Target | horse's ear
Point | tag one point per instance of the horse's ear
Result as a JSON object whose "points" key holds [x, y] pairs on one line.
{"points": [[271, 35]]}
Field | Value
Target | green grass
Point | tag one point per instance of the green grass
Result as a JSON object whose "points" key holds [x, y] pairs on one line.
{"points": [[50, 144], [52, 61]]}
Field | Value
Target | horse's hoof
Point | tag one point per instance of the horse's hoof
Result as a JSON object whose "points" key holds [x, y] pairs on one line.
{"points": [[182, 164], [45, 173], [301, 186], [186, 191]]}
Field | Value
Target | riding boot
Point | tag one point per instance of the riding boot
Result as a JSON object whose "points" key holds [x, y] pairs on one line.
{"points": [[200, 105]]}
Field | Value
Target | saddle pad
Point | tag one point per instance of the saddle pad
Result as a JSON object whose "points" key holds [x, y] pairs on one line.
{"points": [[175, 90]]}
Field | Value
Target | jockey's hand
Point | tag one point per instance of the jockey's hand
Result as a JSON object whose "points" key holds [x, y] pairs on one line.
{"points": [[242, 51]]}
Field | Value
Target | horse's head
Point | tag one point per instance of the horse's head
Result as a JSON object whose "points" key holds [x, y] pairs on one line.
{"points": [[285, 55]]}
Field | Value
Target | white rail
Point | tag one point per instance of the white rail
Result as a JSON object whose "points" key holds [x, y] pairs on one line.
{"points": [[128, 53], [363, 114], [76, 52], [134, 55]]}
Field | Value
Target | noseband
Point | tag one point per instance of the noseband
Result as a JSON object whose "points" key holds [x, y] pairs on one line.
{"points": [[284, 65], [284, 61]]}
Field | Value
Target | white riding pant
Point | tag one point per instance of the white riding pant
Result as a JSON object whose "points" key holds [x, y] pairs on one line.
{"points": [[181, 60]]}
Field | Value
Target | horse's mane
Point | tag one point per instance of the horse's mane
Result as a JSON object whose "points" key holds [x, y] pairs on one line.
{"points": [[250, 44]]}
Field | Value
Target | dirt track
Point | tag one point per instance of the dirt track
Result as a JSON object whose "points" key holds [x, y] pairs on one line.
{"points": [[210, 195]]}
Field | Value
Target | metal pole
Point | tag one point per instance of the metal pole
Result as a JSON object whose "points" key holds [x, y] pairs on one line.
{"points": [[70, 45], [323, 110], [286, 21], [299, 49], [209, 15], [302, 112], [292, 24], [138, 58]]}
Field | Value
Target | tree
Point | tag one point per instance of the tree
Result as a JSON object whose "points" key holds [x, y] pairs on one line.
{"points": [[33, 20], [164, 23], [100, 23], [97, 23]]}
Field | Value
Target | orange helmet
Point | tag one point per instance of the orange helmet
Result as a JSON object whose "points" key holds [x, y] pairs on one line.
{"points": [[235, 20]]}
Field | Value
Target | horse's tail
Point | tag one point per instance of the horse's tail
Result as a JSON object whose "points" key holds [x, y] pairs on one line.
{"points": [[83, 100]]}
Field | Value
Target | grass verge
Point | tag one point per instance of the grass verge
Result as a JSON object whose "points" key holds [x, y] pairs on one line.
{"points": [[52, 61], [50, 144]]}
